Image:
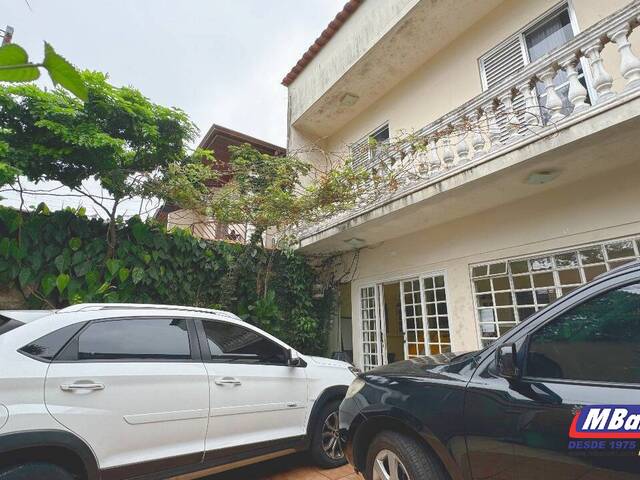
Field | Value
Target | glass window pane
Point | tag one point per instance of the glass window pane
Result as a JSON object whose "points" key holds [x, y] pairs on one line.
{"points": [[523, 313], [592, 272], [506, 315], [479, 271], [439, 281], [497, 268], [596, 341], [500, 283], [521, 266], [569, 277], [546, 296], [591, 255], [485, 300], [483, 285], [522, 281], [135, 339], [620, 250], [503, 299], [234, 343], [542, 263], [567, 259], [543, 279], [524, 298]]}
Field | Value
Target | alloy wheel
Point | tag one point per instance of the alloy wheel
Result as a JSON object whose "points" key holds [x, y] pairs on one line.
{"points": [[331, 443], [387, 466]]}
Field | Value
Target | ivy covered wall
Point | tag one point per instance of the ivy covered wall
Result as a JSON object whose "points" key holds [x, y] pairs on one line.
{"points": [[58, 258]]}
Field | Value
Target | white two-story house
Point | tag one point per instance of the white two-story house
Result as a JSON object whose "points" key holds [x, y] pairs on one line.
{"points": [[520, 123]]}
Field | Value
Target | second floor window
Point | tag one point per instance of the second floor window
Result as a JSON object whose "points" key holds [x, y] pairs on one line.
{"points": [[365, 150], [526, 46]]}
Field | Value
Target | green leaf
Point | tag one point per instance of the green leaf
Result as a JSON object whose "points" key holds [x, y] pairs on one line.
{"points": [[113, 266], [137, 275], [60, 263], [123, 274], [103, 288], [93, 277], [4, 247], [63, 73], [62, 281], [48, 283], [140, 231], [15, 66], [24, 277], [75, 243]]}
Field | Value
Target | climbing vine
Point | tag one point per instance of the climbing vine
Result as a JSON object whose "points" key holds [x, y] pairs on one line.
{"points": [[57, 258]]}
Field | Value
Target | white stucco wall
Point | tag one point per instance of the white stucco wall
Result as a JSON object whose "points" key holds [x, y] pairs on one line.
{"points": [[599, 208]]}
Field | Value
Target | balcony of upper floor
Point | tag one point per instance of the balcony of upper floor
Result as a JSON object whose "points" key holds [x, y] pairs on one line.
{"points": [[565, 116]]}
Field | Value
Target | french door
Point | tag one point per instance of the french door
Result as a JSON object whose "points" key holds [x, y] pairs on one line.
{"points": [[424, 314], [371, 325]]}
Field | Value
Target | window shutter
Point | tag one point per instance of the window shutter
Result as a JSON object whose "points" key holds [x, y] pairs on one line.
{"points": [[502, 63], [360, 152]]}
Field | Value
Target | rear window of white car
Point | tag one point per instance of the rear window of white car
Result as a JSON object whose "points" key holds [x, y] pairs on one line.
{"points": [[7, 324]]}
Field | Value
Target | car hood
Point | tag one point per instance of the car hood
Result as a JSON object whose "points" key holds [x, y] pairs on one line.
{"points": [[326, 362], [430, 365]]}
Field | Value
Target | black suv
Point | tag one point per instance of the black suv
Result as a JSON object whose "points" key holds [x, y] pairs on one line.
{"points": [[515, 410]]}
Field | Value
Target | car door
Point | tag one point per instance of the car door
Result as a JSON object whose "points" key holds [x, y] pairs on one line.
{"points": [[256, 396], [587, 353], [136, 390]]}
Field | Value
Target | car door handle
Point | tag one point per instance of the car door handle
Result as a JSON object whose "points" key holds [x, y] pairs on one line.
{"points": [[71, 387], [227, 381]]}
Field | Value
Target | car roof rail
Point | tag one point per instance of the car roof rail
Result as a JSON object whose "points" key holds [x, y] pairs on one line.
{"points": [[87, 307]]}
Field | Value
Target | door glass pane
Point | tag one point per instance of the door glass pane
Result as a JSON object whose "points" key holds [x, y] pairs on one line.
{"points": [[135, 339], [435, 294], [596, 341], [233, 343], [370, 331]]}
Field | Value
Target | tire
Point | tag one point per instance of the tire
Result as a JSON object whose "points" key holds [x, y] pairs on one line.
{"points": [[326, 450], [35, 471], [415, 462]]}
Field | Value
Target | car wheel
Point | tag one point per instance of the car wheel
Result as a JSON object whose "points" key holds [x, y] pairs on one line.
{"points": [[35, 471], [326, 447], [398, 456]]}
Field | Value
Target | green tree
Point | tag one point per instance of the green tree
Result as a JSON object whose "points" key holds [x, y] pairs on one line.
{"points": [[116, 136]]}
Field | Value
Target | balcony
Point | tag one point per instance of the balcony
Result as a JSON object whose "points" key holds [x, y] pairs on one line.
{"points": [[485, 147]]}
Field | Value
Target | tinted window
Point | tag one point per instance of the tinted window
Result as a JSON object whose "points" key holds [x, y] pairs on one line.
{"points": [[47, 347], [229, 342], [598, 340], [134, 339], [8, 324]]}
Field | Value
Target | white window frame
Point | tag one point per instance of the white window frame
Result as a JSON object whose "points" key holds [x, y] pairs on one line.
{"points": [[379, 291], [635, 240], [365, 138], [520, 34]]}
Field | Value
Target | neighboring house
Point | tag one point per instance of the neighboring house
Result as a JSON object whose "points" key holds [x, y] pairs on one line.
{"points": [[218, 139], [539, 196]]}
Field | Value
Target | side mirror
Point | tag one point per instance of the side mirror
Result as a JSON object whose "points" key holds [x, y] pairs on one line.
{"points": [[507, 361], [294, 360]]}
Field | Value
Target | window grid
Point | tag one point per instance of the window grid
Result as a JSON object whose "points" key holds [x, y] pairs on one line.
{"points": [[507, 292], [435, 299], [413, 318], [370, 333]]}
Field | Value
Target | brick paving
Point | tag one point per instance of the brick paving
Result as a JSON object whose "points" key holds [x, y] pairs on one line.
{"points": [[292, 467]]}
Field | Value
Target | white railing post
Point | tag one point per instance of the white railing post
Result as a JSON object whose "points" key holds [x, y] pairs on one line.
{"points": [[495, 141], [553, 102], [513, 123], [447, 152], [462, 147], [577, 93], [602, 81], [531, 115], [435, 165], [629, 63], [477, 139]]}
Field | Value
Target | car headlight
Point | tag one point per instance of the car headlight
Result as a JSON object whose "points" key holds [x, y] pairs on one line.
{"points": [[357, 385], [355, 370]]}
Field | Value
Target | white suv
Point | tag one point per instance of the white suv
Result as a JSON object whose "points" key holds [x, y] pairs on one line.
{"points": [[107, 391]]}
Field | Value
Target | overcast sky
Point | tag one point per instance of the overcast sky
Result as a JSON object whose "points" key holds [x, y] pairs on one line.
{"points": [[221, 61]]}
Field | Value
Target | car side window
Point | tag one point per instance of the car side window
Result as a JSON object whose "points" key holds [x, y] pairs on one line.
{"points": [[132, 339], [598, 340], [229, 342]]}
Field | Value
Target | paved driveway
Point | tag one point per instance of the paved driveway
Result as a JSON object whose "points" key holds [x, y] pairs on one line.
{"points": [[291, 467]]}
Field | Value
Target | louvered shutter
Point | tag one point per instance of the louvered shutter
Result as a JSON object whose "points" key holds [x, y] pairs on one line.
{"points": [[360, 152], [502, 63]]}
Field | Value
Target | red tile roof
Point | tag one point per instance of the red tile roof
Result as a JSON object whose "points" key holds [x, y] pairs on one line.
{"points": [[335, 25]]}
